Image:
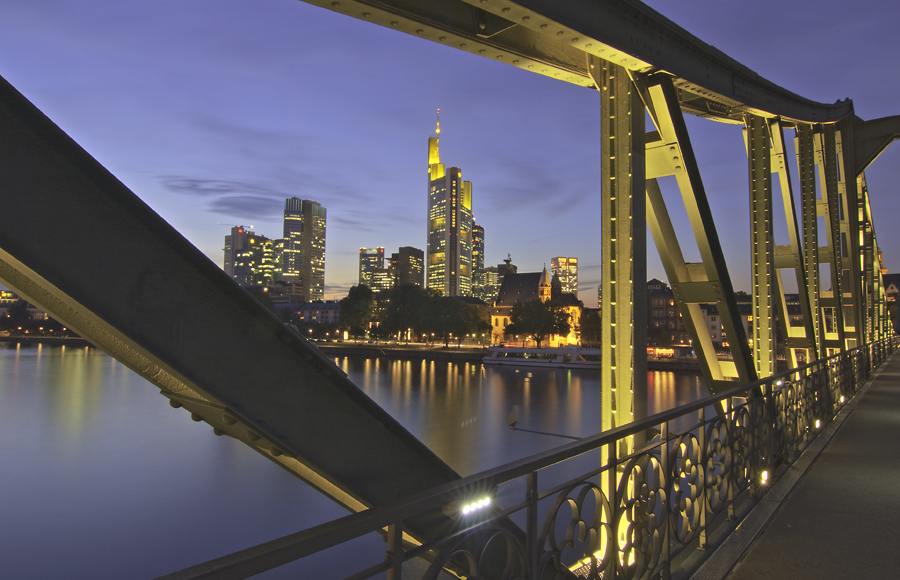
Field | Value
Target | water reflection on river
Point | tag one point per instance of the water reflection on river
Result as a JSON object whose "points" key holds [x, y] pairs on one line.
{"points": [[102, 479], [460, 409]]}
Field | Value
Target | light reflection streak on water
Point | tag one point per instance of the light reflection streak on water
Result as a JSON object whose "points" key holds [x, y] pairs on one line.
{"points": [[460, 409]]}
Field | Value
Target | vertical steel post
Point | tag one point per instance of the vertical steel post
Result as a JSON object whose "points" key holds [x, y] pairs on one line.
{"points": [[762, 248], [395, 551], [789, 257], [624, 239], [806, 161], [850, 237], [532, 550], [831, 208]]}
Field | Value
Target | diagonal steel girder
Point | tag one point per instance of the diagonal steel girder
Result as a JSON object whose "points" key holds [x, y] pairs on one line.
{"points": [[669, 153], [120, 276]]}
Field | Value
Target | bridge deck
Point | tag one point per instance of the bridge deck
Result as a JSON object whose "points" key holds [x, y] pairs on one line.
{"points": [[839, 519]]}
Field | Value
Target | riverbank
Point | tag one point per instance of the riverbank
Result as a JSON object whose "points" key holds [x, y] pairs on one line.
{"points": [[469, 354], [461, 354], [74, 341]]}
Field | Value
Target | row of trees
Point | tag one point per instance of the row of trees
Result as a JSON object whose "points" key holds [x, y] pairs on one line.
{"points": [[409, 309], [541, 320]]}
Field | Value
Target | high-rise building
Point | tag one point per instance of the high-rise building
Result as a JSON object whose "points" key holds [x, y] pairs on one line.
{"points": [[408, 265], [478, 261], [370, 260], [303, 258], [493, 279], [449, 250], [567, 270], [251, 259]]}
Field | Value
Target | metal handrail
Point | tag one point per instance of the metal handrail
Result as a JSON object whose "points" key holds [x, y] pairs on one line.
{"points": [[377, 519]]}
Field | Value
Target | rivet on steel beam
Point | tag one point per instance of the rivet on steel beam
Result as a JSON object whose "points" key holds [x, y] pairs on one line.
{"points": [[218, 432], [560, 33], [500, 56], [335, 4], [588, 45], [678, 168], [516, 62], [252, 436], [394, 23], [174, 404], [481, 51], [484, 1], [543, 26], [276, 452], [575, 39], [531, 66], [419, 31], [505, 10], [196, 417], [366, 14], [463, 45], [526, 18], [442, 38]]}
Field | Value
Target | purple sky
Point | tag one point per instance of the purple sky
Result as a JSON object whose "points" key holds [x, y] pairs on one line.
{"points": [[214, 111]]}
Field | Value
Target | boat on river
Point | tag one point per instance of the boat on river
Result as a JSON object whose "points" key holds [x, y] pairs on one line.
{"points": [[567, 357]]}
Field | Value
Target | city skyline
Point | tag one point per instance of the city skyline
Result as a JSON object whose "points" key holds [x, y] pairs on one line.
{"points": [[215, 112]]}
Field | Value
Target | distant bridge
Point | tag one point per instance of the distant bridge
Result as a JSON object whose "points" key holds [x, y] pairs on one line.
{"points": [[139, 290]]}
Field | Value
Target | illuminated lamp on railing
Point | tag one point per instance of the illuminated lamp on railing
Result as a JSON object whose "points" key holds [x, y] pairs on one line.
{"points": [[455, 510], [818, 423], [764, 477], [842, 398]]}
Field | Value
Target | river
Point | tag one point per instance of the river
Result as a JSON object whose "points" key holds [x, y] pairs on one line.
{"points": [[101, 478]]}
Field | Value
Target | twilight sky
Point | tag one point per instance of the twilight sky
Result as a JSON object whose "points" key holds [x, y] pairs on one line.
{"points": [[215, 111]]}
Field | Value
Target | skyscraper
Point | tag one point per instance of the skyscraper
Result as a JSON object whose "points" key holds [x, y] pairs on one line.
{"points": [[478, 261], [370, 260], [408, 265], [251, 259], [303, 258], [567, 270], [449, 250]]}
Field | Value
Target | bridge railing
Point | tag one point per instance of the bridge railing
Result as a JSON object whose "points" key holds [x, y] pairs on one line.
{"points": [[598, 513]]}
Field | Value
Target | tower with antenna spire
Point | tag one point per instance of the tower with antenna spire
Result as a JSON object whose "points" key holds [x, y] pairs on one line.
{"points": [[448, 259]]}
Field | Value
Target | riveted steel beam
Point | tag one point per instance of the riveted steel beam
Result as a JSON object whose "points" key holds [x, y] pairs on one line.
{"points": [[871, 138], [804, 145], [624, 238], [669, 153], [556, 39], [762, 246], [790, 257], [851, 238], [830, 208]]}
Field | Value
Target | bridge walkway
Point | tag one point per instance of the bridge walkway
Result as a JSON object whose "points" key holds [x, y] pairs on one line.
{"points": [[836, 515]]}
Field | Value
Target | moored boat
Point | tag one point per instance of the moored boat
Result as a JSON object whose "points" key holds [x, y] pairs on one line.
{"points": [[568, 357]]}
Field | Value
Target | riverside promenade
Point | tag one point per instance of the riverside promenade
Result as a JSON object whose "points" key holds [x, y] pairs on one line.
{"points": [[835, 512]]}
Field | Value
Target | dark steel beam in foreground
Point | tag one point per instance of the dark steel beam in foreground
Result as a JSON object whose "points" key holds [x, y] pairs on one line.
{"points": [[81, 246], [557, 38]]}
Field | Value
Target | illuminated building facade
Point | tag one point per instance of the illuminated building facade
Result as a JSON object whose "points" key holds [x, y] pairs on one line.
{"points": [[370, 260], [303, 257], [450, 222], [251, 259], [408, 265], [567, 270], [478, 277]]}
